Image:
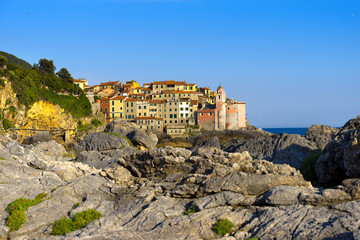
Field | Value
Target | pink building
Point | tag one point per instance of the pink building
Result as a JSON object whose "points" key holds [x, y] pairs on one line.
{"points": [[225, 114]]}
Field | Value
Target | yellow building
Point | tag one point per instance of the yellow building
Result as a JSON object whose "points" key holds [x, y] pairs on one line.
{"points": [[130, 105], [117, 107], [80, 82]]}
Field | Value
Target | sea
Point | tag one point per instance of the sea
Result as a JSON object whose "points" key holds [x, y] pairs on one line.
{"points": [[300, 131]]}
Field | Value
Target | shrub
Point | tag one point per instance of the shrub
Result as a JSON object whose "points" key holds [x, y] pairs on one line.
{"points": [[191, 208], [17, 209], [78, 221], [222, 227], [7, 102], [307, 167], [76, 205], [96, 122], [7, 124]]}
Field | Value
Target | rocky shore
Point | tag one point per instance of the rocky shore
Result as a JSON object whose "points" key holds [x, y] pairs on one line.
{"points": [[147, 188]]}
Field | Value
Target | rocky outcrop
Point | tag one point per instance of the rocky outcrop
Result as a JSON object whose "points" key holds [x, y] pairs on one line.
{"points": [[145, 194], [321, 134], [40, 137], [137, 136], [102, 142], [279, 148], [340, 159]]}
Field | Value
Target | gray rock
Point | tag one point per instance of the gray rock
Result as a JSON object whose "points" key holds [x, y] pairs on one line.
{"points": [[212, 142], [102, 142], [95, 159], [137, 136], [340, 159], [321, 134], [283, 149], [40, 137]]}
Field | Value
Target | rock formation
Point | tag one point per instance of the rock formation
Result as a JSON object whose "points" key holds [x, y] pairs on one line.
{"points": [[144, 194], [340, 159], [321, 134]]}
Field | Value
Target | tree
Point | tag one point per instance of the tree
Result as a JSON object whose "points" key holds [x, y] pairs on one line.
{"points": [[46, 66], [3, 62], [65, 75]]}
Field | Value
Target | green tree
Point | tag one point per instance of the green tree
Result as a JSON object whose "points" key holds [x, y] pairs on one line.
{"points": [[65, 75], [3, 61], [46, 66]]}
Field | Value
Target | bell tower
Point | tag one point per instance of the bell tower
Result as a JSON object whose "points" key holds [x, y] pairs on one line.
{"points": [[220, 108]]}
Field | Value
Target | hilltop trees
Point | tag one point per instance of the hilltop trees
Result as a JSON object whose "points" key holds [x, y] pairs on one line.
{"points": [[45, 66], [3, 62], [41, 83]]}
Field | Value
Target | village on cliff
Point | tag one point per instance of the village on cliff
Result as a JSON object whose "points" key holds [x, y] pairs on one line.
{"points": [[173, 107]]}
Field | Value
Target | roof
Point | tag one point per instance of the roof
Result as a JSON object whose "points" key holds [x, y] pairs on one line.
{"points": [[109, 83], [193, 102], [119, 98], [169, 82], [156, 101], [147, 89], [131, 100], [147, 118], [205, 110], [77, 80]]}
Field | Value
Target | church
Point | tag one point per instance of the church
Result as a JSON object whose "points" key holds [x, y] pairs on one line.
{"points": [[224, 114]]}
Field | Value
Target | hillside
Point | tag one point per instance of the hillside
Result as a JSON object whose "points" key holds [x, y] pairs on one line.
{"points": [[15, 60], [32, 85]]}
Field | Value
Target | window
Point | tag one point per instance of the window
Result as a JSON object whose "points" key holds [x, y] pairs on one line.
{"points": [[175, 103], [144, 107], [106, 109], [127, 104], [113, 115], [175, 121], [161, 86], [170, 121], [112, 103], [101, 109], [175, 115], [181, 109], [171, 116], [113, 109], [139, 114], [173, 95], [132, 105], [175, 109], [157, 86], [165, 117], [144, 114], [170, 104], [139, 107], [132, 110], [120, 108], [170, 109]]}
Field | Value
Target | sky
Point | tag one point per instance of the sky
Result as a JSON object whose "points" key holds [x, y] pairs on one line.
{"points": [[294, 63]]}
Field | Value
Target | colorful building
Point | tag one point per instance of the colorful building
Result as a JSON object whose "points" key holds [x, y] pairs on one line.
{"points": [[225, 114]]}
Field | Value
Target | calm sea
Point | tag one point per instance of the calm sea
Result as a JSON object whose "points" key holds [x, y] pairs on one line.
{"points": [[300, 131]]}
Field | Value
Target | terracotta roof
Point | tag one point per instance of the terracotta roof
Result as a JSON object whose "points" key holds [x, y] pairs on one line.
{"points": [[76, 80], [119, 98], [205, 110], [193, 102], [109, 83], [131, 100], [156, 101], [191, 84], [146, 118], [147, 89]]}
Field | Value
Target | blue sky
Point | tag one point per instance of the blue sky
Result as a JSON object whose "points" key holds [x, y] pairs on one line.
{"points": [[295, 63]]}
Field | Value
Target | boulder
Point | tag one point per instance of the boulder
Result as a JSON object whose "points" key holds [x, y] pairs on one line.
{"points": [[102, 142], [321, 134], [279, 148], [340, 159], [212, 142], [40, 137]]}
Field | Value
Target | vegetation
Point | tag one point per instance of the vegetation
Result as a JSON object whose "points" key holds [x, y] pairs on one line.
{"points": [[76, 205], [3, 61], [14, 60], [223, 226], [17, 210], [41, 83], [7, 124], [307, 167], [96, 122], [78, 221], [191, 208]]}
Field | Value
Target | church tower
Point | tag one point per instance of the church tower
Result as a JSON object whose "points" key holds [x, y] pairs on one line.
{"points": [[220, 124]]}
